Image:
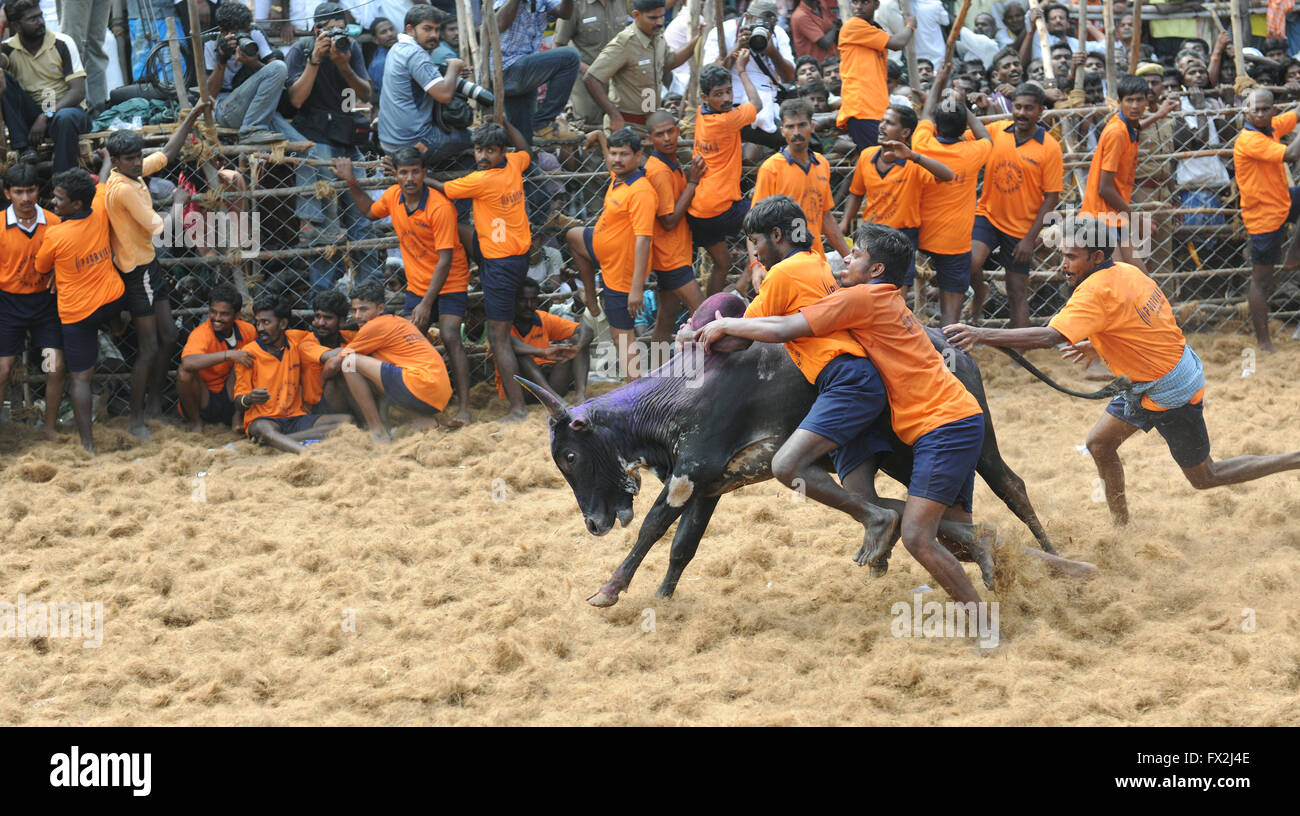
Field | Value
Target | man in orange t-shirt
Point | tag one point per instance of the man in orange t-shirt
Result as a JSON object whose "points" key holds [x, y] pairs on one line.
{"points": [[390, 357], [864, 92], [850, 394], [1119, 315], [930, 409], [330, 309], [1268, 204], [268, 389], [504, 237], [1023, 179], [619, 243], [27, 306], [88, 286], [437, 271], [717, 211], [672, 252], [205, 381], [549, 349]]}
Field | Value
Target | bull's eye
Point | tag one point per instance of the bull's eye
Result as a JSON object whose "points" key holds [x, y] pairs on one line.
{"points": [[570, 457]]}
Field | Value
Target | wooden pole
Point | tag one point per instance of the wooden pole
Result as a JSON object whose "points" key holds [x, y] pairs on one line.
{"points": [[909, 51], [1238, 39], [956, 30], [722, 38], [200, 70], [178, 71], [1135, 49], [465, 19], [1108, 21], [691, 98], [1082, 36], [1040, 30], [492, 48]]}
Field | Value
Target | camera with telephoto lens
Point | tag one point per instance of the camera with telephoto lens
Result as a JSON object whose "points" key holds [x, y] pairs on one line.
{"points": [[478, 93], [758, 38], [243, 42], [339, 39]]}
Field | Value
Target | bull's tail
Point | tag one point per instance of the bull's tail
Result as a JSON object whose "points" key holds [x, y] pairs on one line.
{"points": [[1115, 386]]}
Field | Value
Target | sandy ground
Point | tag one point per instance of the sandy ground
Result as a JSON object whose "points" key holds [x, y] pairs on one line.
{"points": [[442, 579]]}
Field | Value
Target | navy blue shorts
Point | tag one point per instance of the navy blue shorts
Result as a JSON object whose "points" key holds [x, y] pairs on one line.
{"points": [[944, 460], [36, 314], [914, 235], [501, 278], [220, 409], [705, 232], [145, 286], [446, 303], [850, 397], [674, 278], [951, 272], [1266, 248], [1183, 429], [997, 240], [864, 132], [398, 394], [616, 308], [81, 339], [289, 425]]}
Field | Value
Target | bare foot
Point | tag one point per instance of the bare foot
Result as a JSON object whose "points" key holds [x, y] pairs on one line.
{"points": [[881, 532], [50, 434], [196, 427], [515, 416], [380, 435], [140, 431], [1268, 348]]}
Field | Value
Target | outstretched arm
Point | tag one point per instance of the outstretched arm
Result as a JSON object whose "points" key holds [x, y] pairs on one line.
{"points": [[756, 329], [172, 150], [968, 337]]}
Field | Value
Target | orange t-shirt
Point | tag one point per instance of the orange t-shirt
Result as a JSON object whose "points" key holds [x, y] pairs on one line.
{"points": [[203, 340], [545, 329], [499, 214], [894, 199], [923, 393], [671, 250], [1129, 321], [392, 339], [629, 213], [422, 233], [18, 275], [1261, 177], [948, 207], [717, 139], [864, 93], [280, 376], [313, 385], [810, 187], [1017, 177], [801, 280], [1117, 152], [79, 253]]}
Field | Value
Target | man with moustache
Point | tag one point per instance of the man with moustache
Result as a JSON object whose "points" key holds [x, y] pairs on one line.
{"points": [[205, 379]]}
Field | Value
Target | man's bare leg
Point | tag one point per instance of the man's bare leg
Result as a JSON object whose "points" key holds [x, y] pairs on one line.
{"points": [[668, 306], [979, 253], [79, 391], [721, 256], [1103, 444], [950, 306], [265, 431], [920, 525], [165, 326], [194, 396], [1239, 469], [796, 460], [629, 349], [449, 328], [1261, 286], [323, 425], [499, 340], [53, 392], [1018, 296], [360, 387], [146, 335]]}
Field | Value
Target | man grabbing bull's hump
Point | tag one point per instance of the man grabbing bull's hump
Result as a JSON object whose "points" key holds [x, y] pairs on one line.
{"points": [[930, 409], [1120, 315]]}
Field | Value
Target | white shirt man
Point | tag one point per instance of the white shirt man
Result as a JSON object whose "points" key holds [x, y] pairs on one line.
{"points": [[765, 85]]}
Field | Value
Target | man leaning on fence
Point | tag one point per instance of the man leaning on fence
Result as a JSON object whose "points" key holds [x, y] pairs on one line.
{"points": [[327, 83]]}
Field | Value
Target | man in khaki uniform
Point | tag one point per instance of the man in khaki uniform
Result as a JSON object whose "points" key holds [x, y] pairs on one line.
{"points": [[593, 24], [633, 63]]}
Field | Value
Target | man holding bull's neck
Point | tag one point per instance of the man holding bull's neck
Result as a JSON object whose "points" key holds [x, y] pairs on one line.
{"points": [[1119, 315], [850, 394]]}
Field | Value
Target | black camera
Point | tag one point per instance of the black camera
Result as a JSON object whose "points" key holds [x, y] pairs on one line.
{"points": [[339, 39], [758, 38], [478, 93], [243, 42]]}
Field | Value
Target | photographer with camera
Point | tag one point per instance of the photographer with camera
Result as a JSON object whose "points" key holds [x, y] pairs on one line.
{"points": [[244, 81], [327, 84], [770, 64], [408, 116]]}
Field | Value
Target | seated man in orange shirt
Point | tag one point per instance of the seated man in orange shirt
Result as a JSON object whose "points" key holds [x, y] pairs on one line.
{"points": [[391, 357], [619, 244], [930, 409], [268, 390], [330, 309], [1118, 314], [544, 342], [437, 272], [850, 394], [88, 286], [205, 381]]}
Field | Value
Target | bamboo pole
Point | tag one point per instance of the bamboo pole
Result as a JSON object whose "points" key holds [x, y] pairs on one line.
{"points": [[1108, 22], [1040, 30], [956, 31], [1081, 35], [1135, 49], [722, 37], [200, 70], [909, 51], [465, 20], [178, 72], [691, 99], [1238, 39], [492, 47]]}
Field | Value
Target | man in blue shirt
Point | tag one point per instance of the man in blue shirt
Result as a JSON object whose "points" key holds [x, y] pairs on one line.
{"points": [[412, 83], [526, 68], [385, 34]]}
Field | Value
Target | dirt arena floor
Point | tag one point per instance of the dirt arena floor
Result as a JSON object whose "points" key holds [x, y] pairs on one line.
{"points": [[441, 580]]}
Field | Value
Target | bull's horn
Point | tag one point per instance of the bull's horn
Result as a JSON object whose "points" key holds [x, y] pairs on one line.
{"points": [[559, 411]]}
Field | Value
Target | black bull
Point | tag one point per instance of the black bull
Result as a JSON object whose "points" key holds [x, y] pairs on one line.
{"points": [[707, 425]]}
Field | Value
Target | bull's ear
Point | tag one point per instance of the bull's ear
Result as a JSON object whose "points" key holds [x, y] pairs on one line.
{"points": [[578, 425], [558, 410]]}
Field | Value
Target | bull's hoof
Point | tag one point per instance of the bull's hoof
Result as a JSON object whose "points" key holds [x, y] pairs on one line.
{"points": [[603, 598], [981, 550]]}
